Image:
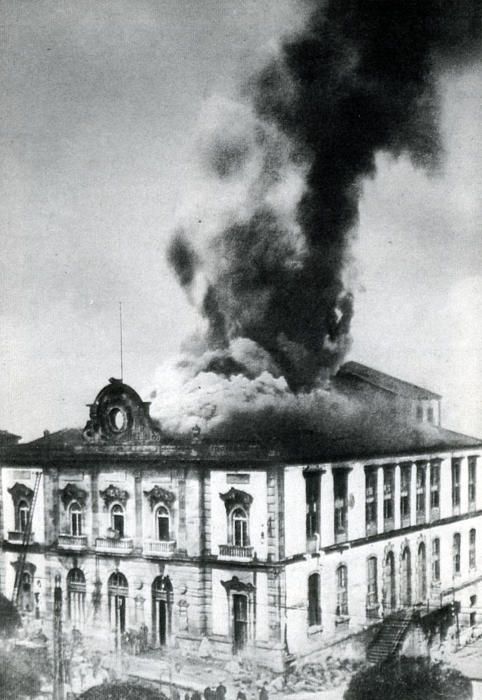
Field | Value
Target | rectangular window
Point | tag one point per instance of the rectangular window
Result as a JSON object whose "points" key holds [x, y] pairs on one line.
{"points": [[472, 550], [314, 609], [436, 560], [473, 613], [456, 553], [419, 412], [456, 483], [421, 492], [388, 496], [434, 488], [430, 414], [405, 473], [342, 591], [472, 481], [312, 489], [372, 587], [371, 500], [340, 483]]}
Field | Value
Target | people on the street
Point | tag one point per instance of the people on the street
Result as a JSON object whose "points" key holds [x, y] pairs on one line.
{"points": [[220, 693]]}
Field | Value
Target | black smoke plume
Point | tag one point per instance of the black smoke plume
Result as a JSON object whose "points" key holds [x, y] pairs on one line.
{"points": [[361, 78]]}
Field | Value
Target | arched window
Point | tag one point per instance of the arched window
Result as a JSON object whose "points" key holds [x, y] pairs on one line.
{"points": [[472, 549], [26, 593], [456, 553], [390, 588], [372, 587], [117, 519], [239, 527], [314, 609], [162, 598], [75, 512], [162, 523], [23, 510], [421, 572], [436, 559], [406, 578], [76, 590], [342, 590], [118, 591]]}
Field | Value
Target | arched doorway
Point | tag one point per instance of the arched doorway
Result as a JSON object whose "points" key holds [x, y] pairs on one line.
{"points": [[76, 590], [421, 573], [390, 602], [161, 610], [406, 578], [118, 591]]}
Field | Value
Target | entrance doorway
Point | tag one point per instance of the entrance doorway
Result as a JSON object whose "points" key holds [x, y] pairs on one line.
{"points": [[161, 610], [118, 592], [240, 622]]}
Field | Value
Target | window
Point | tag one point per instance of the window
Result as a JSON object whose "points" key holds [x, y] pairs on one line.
{"points": [[420, 493], [23, 510], [388, 495], [436, 560], [372, 587], [312, 488], [405, 473], [371, 499], [421, 573], [455, 483], [430, 414], [472, 549], [434, 486], [162, 523], [406, 578], [76, 590], [473, 613], [239, 527], [75, 519], [342, 591], [472, 481], [314, 609], [340, 482], [456, 553], [419, 412], [117, 519]]}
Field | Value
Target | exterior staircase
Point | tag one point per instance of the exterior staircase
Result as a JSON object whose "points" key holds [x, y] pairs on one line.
{"points": [[390, 636]]}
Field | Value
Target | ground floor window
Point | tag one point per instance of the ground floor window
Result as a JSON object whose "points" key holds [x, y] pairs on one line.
{"points": [[118, 592], [342, 590], [162, 598], [314, 609], [76, 590]]}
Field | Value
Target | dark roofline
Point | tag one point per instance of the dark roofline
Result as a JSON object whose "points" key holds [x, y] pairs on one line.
{"points": [[377, 378]]}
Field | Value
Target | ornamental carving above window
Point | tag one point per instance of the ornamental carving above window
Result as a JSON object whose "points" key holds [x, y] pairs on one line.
{"points": [[72, 492], [235, 497], [114, 493], [21, 492], [234, 584], [159, 495]]}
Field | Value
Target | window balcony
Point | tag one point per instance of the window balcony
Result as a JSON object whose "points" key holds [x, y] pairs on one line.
{"points": [[111, 545], [159, 548], [235, 551], [16, 537], [76, 543]]}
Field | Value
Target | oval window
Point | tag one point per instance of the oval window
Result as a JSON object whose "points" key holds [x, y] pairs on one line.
{"points": [[117, 420]]}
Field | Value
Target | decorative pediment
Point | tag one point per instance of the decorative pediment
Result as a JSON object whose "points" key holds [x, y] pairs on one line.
{"points": [[234, 584], [114, 493], [27, 566], [159, 495], [235, 497], [72, 492], [20, 491]]}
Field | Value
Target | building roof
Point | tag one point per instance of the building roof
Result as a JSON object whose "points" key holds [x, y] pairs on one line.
{"points": [[386, 381], [8, 438]]}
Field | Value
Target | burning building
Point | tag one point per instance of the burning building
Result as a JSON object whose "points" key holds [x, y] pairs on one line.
{"points": [[266, 548]]}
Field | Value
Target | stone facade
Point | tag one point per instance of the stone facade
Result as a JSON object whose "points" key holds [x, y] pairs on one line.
{"points": [[259, 553]]}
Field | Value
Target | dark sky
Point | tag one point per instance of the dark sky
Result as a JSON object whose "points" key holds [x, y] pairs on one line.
{"points": [[100, 104]]}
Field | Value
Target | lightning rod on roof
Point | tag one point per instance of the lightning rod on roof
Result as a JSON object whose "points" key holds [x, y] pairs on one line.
{"points": [[121, 343]]}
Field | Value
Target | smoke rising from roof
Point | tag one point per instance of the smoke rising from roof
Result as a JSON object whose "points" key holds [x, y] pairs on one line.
{"points": [[262, 244]]}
